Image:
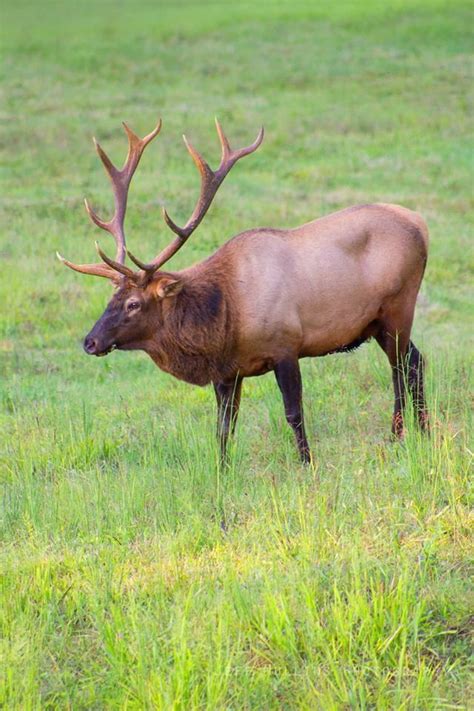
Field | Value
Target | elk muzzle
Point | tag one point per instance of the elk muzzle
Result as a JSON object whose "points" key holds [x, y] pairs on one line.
{"points": [[102, 338], [94, 345]]}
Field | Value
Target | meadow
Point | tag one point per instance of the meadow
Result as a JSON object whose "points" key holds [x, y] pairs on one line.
{"points": [[135, 574]]}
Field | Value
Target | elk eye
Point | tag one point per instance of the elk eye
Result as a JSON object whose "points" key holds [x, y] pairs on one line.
{"points": [[133, 305]]}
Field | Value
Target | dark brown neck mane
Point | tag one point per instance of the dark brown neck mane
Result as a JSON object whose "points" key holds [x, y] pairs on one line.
{"points": [[196, 339]]}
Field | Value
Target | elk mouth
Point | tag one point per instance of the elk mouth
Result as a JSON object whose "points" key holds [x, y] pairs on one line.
{"points": [[107, 351], [92, 347]]}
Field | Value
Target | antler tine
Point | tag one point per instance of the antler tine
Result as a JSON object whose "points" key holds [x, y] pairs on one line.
{"points": [[210, 183], [94, 269], [135, 260], [225, 146], [120, 180], [121, 268]]}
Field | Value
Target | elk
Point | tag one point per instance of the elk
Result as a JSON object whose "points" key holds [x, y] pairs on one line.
{"points": [[265, 298]]}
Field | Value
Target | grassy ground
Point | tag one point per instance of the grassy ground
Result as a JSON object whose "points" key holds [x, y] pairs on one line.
{"points": [[134, 575]]}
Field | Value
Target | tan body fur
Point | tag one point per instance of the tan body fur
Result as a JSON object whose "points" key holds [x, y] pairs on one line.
{"points": [[319, 287]]}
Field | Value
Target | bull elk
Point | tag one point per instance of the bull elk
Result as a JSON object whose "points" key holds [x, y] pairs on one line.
{"points": [[267, 297]]}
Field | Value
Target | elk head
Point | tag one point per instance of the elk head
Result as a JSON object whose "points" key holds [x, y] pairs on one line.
{"points": [[135, 312]]}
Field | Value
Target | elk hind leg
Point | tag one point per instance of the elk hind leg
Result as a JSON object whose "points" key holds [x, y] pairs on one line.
{"points": [[416, 376], [405, 360], [394, 342]]}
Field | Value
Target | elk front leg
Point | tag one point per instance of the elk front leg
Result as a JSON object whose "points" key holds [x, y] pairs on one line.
{"points": [[228, 401], [288, 377]]}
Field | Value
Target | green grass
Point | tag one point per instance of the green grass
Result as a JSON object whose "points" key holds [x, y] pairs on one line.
{"points": [[134, 574]]}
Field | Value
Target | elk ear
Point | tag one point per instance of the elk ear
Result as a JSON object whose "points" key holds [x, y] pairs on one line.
{"points": [[167, 286]]}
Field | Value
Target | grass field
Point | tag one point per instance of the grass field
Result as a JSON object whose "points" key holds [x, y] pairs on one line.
{"points": [[134, 574]]}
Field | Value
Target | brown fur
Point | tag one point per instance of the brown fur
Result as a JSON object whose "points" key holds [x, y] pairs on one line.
{"points": [[197, 339]]}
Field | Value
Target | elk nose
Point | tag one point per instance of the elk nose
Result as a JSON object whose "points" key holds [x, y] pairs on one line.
{"points": [[90, 345]]}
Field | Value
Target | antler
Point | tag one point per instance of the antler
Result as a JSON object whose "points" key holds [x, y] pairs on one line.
{"points": [[210, 182], [120, 180]]}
